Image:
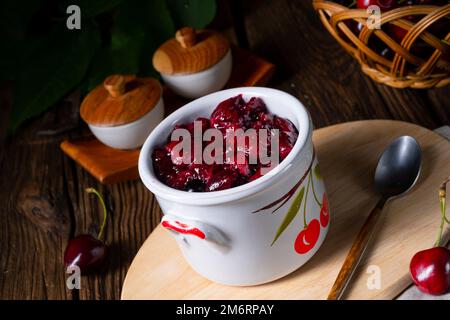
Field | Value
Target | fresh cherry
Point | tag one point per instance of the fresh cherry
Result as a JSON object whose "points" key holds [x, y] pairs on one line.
{"points": [[85, 251], [430, 270], [385, 5], [307, 238]]}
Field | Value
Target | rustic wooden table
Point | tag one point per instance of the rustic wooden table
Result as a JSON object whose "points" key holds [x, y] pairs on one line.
{"points": [[42, 196]]}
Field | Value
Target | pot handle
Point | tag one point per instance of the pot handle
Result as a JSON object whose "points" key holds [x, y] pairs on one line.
{"points": [[182, 226]]}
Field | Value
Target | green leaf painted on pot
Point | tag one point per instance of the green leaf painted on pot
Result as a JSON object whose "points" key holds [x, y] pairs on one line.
{"points": [[317, 172], [56, 66], [192, 13], [290, 215]]}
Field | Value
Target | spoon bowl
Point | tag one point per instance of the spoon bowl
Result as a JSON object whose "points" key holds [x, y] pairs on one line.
{"points": [[398, 167]]}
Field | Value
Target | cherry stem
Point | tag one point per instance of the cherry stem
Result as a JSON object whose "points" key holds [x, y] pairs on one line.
{"points": [[306, 198], [99, 196], [444, 220], [314, 193], [352, 4]]}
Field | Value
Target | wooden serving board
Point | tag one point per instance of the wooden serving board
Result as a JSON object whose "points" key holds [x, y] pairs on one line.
{"points": [[347, 155]]}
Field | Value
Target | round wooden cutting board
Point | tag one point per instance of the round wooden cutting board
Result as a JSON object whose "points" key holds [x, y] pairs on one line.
{"points": [[347, 155]]}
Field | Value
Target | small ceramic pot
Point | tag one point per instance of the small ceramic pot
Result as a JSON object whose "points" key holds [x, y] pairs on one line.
{"points": [[131, 135], [201, 83], [123, 110], [257, 232], [195, 62]]}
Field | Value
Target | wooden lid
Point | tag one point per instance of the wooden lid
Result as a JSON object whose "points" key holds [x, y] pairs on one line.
{"points": [[119, 100], [190, 51]]}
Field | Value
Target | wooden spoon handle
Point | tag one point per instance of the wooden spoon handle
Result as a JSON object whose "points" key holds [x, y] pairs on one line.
{"points": [[356, 252]]}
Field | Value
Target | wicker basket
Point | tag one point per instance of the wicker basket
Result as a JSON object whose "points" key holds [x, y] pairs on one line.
{"points": [[403, 68]]}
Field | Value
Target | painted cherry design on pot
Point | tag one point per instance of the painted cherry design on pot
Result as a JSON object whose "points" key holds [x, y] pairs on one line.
{"points": [[307, 238], [324, 213]]}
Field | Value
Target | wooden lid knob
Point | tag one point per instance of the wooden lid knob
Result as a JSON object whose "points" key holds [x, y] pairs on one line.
{"points": [[190, 51], [186, 37], [115, 85]]}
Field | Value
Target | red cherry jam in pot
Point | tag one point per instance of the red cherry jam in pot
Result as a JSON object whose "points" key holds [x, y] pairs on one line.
{"points": [[231, 114]]}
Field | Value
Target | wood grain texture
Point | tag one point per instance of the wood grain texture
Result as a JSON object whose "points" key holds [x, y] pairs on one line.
{"points": [[409, 224], [310, 65], [356, 253], [172, 58], [113, 104], [107, 165]]}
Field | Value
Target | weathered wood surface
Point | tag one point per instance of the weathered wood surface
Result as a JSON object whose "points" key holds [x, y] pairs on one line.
{"points": [[42, 202]]}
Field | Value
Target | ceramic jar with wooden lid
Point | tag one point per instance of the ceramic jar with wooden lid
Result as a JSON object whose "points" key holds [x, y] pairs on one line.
{"points": [[195, 62], [123, 110]]}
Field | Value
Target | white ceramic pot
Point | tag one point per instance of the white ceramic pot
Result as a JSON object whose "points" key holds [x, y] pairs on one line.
{"points": [[198, 84], [227, 236], [131, 135]]}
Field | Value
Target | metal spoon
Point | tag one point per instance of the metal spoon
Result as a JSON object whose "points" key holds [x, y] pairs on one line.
{"points": [[397, 171]]}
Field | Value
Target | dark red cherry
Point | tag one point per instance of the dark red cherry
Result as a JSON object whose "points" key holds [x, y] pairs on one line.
{"points": [[222, 180], [227, 112], [256, 175], [86, 252], [286, 143], [430, 270], [283, 124], [385, 5]]}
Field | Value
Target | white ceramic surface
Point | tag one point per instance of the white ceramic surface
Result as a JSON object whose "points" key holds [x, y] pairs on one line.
{"points": [[217, 232], [201, 83], [131, 135]]}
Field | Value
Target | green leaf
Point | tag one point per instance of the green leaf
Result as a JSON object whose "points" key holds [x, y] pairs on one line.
{"points": [[192, 13], [121, 57], [149, 20], [290, 215], [56, 66], [317, 172]]}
